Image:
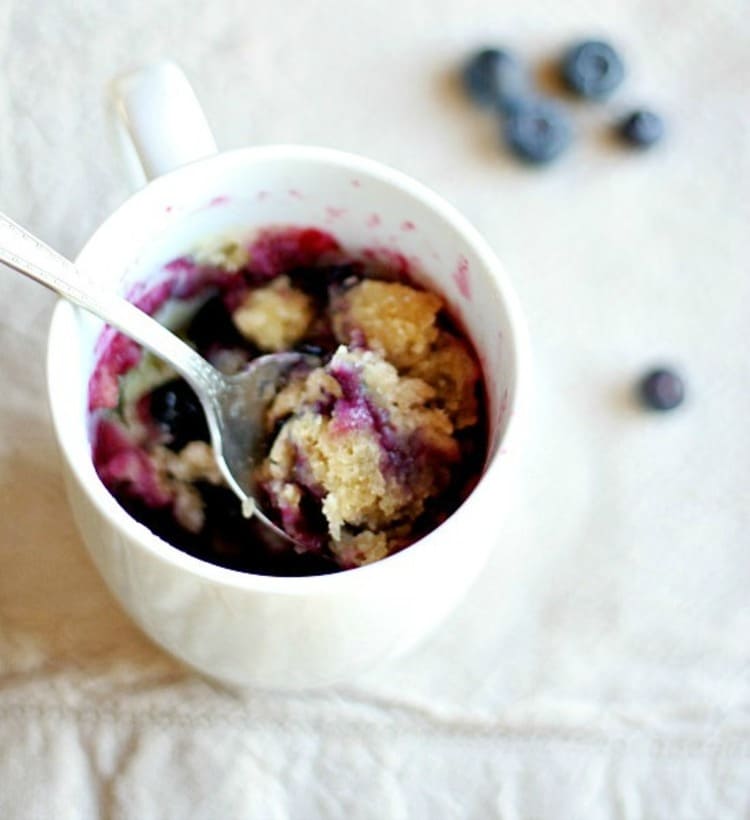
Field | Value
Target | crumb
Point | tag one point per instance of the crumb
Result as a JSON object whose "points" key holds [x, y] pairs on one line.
{"points": [[274, 317], [451, 370], [228, 255], [395, 320]]}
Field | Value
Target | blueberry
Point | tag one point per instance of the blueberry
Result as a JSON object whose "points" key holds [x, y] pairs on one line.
{"points": [[311, 349], [642, 128], [537, 131], [176, 409], [592, 69], [661, 389], [212, 325], [316, 280], [494, 77], [338, 274], [222, 507]]}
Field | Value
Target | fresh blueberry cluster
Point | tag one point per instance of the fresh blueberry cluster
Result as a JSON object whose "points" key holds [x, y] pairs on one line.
{"points": [[536, 129]]}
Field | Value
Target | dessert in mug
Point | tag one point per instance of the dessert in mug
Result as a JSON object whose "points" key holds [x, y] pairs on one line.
{"points": [[370, 445]]}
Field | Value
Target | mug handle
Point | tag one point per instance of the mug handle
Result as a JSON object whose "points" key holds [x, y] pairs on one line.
{"points": [[162, 118]]}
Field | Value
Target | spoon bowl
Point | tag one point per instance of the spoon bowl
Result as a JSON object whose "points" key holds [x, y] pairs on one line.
{"points": [[234, 405], [240, 437]]}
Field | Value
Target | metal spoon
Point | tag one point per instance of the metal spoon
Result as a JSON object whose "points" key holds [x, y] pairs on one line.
{"points": [[234, 405]]}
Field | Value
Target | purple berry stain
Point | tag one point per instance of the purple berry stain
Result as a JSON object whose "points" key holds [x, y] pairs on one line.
{"points": [[461, 278]]}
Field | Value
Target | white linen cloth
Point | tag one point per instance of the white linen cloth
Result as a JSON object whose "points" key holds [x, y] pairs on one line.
{"points": [[600, 668]]}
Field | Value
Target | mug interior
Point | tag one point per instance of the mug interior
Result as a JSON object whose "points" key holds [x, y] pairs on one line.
{"points": [[366, 206]]}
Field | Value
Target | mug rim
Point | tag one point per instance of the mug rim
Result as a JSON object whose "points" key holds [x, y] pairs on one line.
{"points": [[116, 515]]}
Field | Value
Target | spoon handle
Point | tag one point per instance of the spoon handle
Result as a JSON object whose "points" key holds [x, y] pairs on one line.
{"points": [[25, 253]]}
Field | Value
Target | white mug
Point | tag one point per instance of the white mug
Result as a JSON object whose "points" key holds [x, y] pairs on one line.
{"points": [[240, 628]]}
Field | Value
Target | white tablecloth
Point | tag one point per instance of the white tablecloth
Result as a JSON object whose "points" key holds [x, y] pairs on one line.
{"points": [[600, 668]]}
